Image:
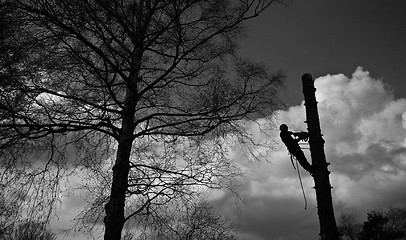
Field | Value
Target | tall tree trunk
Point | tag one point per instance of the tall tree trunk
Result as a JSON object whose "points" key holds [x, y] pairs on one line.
{"points": [[328, 227], [114, 219]]}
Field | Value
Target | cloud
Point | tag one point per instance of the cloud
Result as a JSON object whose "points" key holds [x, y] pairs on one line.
{"points": [[365, 132], [73, 199]]}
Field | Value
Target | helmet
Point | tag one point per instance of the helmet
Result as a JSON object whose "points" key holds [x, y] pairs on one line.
{"points": [[283, 127]]}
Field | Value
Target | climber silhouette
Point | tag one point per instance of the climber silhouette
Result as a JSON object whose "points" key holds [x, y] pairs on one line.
{"points": [[293, 145]]}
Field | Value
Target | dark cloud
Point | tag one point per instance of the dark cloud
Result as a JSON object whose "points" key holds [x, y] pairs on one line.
{"points": [[375, 158]]}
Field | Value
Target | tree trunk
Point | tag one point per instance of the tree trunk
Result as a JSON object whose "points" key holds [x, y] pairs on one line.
{"points": [[328, 227], [115, 219]]}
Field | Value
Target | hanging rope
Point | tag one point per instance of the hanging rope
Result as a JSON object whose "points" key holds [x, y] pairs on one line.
{"points": [[300, 178], [291, 160]]}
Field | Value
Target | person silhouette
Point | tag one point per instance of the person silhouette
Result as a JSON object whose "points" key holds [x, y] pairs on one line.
{"points": [[293, 145]]}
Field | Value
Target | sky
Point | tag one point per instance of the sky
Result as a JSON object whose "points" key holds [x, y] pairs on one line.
{"points": [[356, 52], [330, 37]]}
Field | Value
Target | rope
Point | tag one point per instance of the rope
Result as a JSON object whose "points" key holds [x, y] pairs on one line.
{"points": [[300, 180], [291, 160]]}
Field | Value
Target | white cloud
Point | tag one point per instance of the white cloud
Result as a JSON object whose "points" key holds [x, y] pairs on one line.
{"points": [[49, 99]]}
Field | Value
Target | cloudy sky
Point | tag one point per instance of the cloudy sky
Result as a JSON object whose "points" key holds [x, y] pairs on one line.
{"points": [[364, 127], [356, 51]]}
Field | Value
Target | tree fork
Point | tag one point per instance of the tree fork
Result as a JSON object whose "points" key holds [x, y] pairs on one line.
{"points": [[328, 226]]}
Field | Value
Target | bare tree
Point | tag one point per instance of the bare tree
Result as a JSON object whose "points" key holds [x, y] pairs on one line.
{"points": [[162, 172], [182, 220], [8, 213], [101, 76], [30, 230], [349, 226]]}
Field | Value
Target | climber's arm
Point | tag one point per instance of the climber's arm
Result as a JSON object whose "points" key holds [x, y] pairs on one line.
{"points": [[301, 136]]}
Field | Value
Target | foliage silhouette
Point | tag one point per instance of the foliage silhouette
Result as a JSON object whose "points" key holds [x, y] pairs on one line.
{"points": [[387, 224]]}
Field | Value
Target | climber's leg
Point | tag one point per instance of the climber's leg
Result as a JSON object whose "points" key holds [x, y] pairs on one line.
{"points": [[302, 160]]}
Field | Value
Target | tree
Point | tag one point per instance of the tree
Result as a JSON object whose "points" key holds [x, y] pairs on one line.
{"points": [[396, 220], [100, 76], [387, 224], [33, 231], [320, 173], [375, 228], [348, 225], [162, 173], [9, 211], [23, 184], [186, 220], [13, 210]]}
